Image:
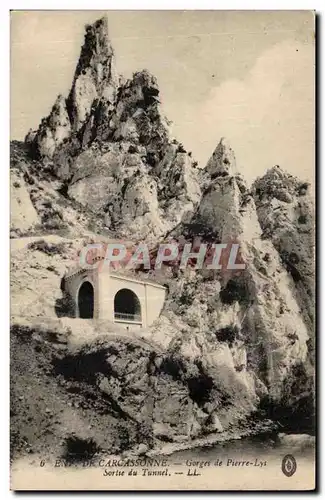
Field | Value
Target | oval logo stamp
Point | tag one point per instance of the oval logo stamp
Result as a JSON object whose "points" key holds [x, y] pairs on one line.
{"points": [[289, 465]]}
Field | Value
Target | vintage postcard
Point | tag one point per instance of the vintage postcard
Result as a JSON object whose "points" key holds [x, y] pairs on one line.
{"points": [[162, 250]]}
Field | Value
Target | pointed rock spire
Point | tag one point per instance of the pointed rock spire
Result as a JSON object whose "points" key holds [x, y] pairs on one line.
{"points": [[53, 130], [278, 184], [222, 161], [95, 79], [95, 76]]}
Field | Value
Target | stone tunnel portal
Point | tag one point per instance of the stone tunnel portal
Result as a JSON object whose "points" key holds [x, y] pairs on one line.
{"points": [[127, 306], [126, 300], [86, 300]]}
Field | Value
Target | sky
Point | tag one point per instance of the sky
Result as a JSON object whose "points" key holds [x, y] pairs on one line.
{"points": [[244, 75]]}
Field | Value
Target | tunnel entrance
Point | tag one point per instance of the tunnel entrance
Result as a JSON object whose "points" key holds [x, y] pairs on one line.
{"points": [[86, 300], [127, 306]]}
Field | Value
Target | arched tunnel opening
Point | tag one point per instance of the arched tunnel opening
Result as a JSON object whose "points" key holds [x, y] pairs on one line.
{"points": [[86, 301], [127, 306]]}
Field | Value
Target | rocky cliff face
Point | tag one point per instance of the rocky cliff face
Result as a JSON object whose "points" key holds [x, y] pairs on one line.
{"points": [[252, 317], [285, 210], [228, 344]]}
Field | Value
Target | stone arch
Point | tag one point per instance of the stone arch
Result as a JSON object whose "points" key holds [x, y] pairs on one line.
{"points": [[127, 305], [86, 300]]}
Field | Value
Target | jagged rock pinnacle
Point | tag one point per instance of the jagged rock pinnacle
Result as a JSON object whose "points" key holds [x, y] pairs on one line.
{"points": [[95, 80], [222, 161], [53, 130], [278, 184], [95, 76]]}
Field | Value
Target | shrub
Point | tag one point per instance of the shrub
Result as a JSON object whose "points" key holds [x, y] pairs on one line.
{"points": [[54, 224], [187, 296], [174, 366], [48, 248], [235, 290], [290, 260], [78, 450], [144, 433], [52, 269], [125, 441], [302, 188], [132, 149], [200, 386], [302, 219], [181, 149], [84, 367], [151, 158], [65, 306], [199, 228], [227, 334]]}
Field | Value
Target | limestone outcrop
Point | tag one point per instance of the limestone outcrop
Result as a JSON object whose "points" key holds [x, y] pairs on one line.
{"points": [[286, 212], [253, 315], [53, 130], [24, 217]]}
